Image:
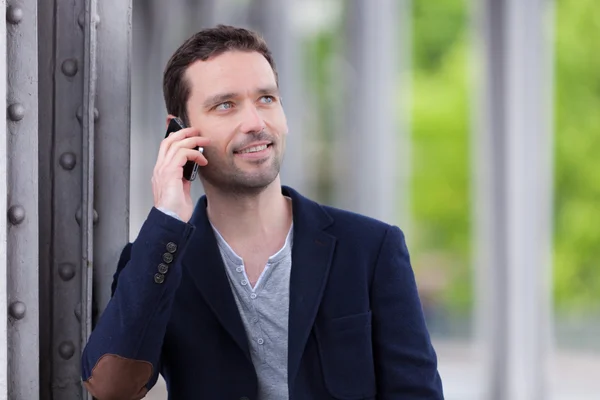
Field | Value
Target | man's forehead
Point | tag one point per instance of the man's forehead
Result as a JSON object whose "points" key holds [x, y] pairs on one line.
{"points": [[232, 68]]}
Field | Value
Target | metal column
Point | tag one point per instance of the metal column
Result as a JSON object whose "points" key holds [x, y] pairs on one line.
{"points": [[372, 146], [84, 175], [61, 171], [3, 217], [112, 144], [513, 197], [22, 179]]}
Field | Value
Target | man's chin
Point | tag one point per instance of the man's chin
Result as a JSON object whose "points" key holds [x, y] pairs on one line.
{"points": [[243, 182]]}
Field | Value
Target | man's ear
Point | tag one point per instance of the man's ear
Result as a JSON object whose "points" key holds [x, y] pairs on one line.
{"points": [[169, 118]]}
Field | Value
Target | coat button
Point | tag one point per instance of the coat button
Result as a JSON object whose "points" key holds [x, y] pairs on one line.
{"points": [[168, 258], [159, 278], [171, 247], [163, 268]]}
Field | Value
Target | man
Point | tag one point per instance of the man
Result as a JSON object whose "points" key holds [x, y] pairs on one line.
{"points": [[256, 292]]}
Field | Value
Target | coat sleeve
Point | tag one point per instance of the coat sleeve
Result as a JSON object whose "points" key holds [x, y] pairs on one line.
{"points": [[122, 355], [405, 361]]}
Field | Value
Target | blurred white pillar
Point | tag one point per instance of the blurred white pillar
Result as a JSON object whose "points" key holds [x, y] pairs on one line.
{"points": [[373, 145], [273, 19], [159, 28], [513, 195]]}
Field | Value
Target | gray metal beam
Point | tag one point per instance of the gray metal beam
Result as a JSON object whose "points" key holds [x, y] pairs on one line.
{"points": [[84, 161], [22, 201], [86, 210], [513, 196], [3, 218], [112, 152], [61, 128], [148, 116], [372, 147], [46, 29]]}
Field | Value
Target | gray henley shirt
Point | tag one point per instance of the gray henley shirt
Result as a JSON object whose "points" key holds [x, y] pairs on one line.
{"points": [[264, 309]]}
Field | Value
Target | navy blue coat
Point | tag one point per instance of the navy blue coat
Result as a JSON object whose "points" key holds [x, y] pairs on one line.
{"points": [[356, 327]]}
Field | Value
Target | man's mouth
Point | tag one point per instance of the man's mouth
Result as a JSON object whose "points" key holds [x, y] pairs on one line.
{"points": [[253, 149]]}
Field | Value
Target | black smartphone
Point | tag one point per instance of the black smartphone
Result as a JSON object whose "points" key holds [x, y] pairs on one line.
{"points": [[190, 169]]}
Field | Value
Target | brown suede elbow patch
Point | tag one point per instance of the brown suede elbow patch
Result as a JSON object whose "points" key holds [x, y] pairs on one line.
{"points": [[118, 378]]}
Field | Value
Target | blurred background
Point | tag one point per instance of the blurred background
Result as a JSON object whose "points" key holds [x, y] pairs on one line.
{"points": [[473, 125]]}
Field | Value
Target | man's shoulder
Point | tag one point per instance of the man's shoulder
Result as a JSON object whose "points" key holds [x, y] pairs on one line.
{"points": [[350, 226], [346, 219], [357, 229], [359, 234]]}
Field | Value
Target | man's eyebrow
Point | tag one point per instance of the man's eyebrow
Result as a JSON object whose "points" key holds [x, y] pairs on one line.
{"points": [[219, 98], [223, 97], [272, 90]]}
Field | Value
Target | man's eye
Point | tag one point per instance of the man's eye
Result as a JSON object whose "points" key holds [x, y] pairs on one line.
{"points": [[267, 99], [224, 106]]}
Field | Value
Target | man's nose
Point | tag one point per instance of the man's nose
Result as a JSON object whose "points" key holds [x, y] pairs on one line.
{"points": [[252, 121]]}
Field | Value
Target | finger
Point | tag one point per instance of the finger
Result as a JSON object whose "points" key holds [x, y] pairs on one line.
{"points": [[187, 143], [185, 155], [173, 138]]}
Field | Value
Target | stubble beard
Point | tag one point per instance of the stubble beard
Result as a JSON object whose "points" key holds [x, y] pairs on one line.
{"points": [[227, 177]]}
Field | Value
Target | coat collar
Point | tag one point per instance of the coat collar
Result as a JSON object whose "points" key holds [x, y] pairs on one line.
{"points": [[312, 254]]}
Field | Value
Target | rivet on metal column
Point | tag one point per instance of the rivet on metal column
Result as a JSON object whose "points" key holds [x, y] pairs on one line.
{"points": [[16, 112], [16, 214], [17, 310], [14, 14], [68, 160], [80, 114], [69, 67], [22, 188]]}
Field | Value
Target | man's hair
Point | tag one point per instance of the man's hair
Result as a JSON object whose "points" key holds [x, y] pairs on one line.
{"points": [[201, 46]]}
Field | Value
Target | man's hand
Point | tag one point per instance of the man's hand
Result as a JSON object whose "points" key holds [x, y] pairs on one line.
{"points": [[171, 190]]}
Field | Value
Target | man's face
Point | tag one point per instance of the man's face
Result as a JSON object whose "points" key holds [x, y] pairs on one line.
{"points": [[234, 101]]}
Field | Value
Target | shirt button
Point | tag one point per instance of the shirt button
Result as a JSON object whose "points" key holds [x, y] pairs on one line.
{"points": [[239, 269], [255, 320], [260, 341], [171, 247], [159, 278], [253, 296], [244, 282]]}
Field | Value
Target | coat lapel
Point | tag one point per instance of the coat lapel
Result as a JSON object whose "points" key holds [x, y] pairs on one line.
{"points": [[312, 254], [204, 262]]}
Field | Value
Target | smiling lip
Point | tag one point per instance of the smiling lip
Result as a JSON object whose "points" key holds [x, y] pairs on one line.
{"points": [[255, 152], [256, 147]]}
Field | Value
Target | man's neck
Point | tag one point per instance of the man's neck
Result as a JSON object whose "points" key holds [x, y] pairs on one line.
{"points": [[261, 216]]}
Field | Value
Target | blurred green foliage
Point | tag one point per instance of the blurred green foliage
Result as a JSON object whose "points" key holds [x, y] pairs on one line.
{"points": [[577, 156], [440, 186], [441, 154], [440, 134]]}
